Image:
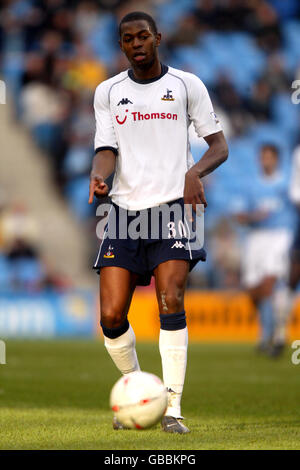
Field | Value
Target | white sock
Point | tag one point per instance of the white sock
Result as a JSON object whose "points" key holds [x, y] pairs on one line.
{"points": [[173, 351], [283, 300], [122, 351]]}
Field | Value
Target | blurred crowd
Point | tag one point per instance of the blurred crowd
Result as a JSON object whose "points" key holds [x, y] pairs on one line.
{"points": [[53, 54], [22, 265]]}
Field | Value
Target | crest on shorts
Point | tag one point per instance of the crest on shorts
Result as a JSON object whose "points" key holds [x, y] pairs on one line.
{"points": [[109, 253], [168, 96]]}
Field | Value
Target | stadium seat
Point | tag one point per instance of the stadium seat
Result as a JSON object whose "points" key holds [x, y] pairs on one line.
{"points": [[100, 39], [5, 273], [27, 272], [77, 195], [285, 9], [77, 161], [171, 11], [286, 114]]}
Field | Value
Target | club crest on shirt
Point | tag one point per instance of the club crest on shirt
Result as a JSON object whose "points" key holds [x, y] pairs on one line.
{"points": [[124, 101], [168, 96], [109, 253]]}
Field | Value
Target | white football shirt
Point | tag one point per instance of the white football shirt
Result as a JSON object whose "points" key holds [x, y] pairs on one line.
{"points": [[146, 124]]}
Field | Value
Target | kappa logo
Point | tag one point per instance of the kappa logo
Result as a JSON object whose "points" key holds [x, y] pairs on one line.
{"points": [[124, 101], [178, 244], [109, 253], [168, 96]]}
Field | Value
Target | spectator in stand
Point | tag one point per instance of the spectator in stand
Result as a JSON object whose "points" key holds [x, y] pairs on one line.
{"points": [[44, 111], [275, 75], [265, 26], [259, 103], [232, 103], [22, 267], [186, 34]]}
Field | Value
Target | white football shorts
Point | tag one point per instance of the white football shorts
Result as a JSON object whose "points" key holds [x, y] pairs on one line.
{"points": [[266, 254]]}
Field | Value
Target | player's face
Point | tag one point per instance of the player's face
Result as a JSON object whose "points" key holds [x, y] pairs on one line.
{"points": [[139, 43], [269, 161]]}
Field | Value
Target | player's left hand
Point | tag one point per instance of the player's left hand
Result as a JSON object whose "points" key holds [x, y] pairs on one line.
{"points": [[194, 191]]}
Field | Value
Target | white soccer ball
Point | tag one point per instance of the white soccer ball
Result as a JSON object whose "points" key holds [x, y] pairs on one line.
{"points": [[139, 400]]}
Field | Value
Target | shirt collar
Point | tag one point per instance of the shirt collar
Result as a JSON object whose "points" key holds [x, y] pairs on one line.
{"points": [[164, 70]]}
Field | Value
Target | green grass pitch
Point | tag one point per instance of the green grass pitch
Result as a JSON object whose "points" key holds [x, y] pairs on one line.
{"points": [[54, 395]]}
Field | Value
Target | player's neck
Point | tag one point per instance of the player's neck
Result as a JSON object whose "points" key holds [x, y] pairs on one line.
{"points": [[147, 73]]}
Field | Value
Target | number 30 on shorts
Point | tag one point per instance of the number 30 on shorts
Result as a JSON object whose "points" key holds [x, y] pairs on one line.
{"points": [[180, 227]]}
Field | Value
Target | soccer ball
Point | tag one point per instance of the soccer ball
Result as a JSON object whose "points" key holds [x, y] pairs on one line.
{"points": [[139, 400]]}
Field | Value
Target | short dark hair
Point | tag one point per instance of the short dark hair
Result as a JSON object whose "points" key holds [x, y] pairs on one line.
{"points": [[138, 15], [272, 147]]}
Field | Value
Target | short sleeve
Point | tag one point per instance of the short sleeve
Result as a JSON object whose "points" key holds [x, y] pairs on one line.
{"points": [[200, 108], [105, 134]]}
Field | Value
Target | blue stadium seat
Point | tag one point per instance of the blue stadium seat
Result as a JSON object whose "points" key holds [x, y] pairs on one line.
{"points": [[101, 39], [170, 12], [77, 161], [77, 195], [216, 48], [286, 114], [221, 51], [286, 8], [240, 164], [195, 60], [291, 34], [27, 271], [5, 273], [267, 132]]}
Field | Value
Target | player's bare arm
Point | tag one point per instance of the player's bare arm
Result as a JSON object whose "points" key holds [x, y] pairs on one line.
{"points": [[215, 155], [104, 163]]}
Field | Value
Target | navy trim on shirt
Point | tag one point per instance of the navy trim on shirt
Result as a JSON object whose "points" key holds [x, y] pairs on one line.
{"points": [[164, 70], [115, 151]]}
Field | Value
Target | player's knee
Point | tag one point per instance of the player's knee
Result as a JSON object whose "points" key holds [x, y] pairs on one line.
{"points": [[171, 299], [112, 317], [267, 287], [294, 275]]}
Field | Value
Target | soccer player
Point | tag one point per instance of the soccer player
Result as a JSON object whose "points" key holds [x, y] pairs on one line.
{"points": [[269, 214], [295, 197], [294, 272], [142, 120]]}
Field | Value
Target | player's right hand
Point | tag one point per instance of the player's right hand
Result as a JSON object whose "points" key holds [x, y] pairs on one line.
{"points": [[97, 188]]}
